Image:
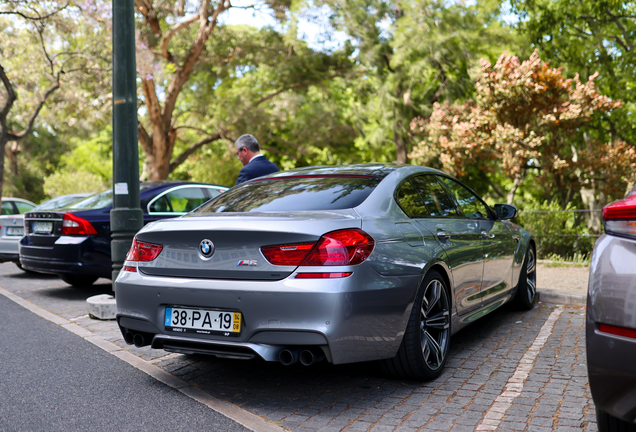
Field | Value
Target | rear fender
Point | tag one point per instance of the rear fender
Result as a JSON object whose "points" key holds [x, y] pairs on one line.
{"points": [[525, 240]]}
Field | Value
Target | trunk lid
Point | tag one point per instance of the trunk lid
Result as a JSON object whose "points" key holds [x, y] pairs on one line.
{"points": [[237, 239], [43, 227]]}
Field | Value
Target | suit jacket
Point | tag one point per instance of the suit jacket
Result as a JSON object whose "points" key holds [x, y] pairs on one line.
{"points": [[257, 167]]}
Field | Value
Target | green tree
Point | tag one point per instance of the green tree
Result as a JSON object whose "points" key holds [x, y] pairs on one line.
{"points": [[201, 82], [52, 67], [585, 37], [526, 117], [412, 54]]}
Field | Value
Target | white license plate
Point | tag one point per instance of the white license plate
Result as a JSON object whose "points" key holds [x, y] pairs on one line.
{"points": [[15, 231], [42, 227], [202, 321]]}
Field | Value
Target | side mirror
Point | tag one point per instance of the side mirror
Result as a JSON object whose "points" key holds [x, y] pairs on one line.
{"points": [[505, 211]]}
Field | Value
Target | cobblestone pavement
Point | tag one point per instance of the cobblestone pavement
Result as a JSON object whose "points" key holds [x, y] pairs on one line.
{"points": [[553, 395]]}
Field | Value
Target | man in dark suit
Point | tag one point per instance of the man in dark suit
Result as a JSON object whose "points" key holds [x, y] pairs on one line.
{"points": [[255, 164]]}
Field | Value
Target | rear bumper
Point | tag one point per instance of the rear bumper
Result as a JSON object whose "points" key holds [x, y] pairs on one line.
{"points": [[85, 257], [611, 372], [9, 247], [612, 300], [358, 318]]}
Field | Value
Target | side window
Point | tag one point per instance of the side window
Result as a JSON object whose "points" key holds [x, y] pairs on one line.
{"points": [[214, 192], [186, 199], [469, 203], [23, 207], [410, 201], [7, 208], [160, 205], [436, 199]]}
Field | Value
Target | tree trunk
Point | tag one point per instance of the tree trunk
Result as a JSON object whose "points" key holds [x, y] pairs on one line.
{"points": [[11, 151], [158, 146], [594, 202], [511, 194], [3, 142], [400, 148], [162, 145]]}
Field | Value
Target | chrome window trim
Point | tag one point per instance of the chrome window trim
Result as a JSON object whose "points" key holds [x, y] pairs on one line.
{"points": [[167, 191]]}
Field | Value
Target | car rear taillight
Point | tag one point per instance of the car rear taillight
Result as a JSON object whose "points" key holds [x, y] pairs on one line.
{"points": [[619, 217], [337, 248], [73, 225], [143, 252], [287, 255]]}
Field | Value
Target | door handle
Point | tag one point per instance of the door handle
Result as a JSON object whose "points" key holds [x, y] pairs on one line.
{"points": [[443, 235], [486, 236]]}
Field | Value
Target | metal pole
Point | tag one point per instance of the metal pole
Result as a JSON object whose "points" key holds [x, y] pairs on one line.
{"points": [[126, 218]]}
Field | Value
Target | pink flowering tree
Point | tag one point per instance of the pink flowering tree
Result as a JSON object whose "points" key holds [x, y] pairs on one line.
{"points": [[526, 117]]}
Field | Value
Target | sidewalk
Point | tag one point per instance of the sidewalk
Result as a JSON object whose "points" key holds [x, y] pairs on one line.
{"points": [[562, 283]]}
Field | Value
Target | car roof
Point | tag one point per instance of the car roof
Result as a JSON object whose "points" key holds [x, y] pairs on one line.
{"points": [[378, 170], [17, 199], [165, 184]]}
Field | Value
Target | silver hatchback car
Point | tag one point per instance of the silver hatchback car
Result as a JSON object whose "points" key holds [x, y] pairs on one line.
{"points": [[611, 319], [350, 263]]}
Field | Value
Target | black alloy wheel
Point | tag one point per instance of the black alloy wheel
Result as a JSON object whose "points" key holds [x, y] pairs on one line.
{"points": [[424, 349], [78, 281], [527, 287]]}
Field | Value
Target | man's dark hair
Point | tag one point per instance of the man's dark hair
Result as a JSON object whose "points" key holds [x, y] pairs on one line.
{"points": [[247, 141]]}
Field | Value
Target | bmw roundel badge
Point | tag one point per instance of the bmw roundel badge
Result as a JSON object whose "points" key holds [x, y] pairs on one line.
{"points": [[206, 247]]}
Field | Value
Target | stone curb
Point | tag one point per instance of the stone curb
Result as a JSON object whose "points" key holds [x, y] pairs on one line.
{"points": [[561, 297]]}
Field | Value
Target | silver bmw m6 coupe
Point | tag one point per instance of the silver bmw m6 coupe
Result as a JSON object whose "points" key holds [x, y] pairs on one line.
{"points": [[343, 263]]}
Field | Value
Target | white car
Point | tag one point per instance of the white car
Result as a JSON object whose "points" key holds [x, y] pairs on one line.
{"points": [[12, 227]]}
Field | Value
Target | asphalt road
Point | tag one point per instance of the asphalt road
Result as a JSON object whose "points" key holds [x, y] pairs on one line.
{"points": [[51, 379]]}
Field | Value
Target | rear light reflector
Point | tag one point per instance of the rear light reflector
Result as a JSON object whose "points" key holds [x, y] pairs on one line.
{"points": [[143, 252], [73, 225], [619, 217], [618, 331], [130, 269], [337, 248], [287, 255], [323, 275]]}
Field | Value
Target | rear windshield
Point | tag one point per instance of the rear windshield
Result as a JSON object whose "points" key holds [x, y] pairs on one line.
{"points": [[294, 194], [97, 201]]}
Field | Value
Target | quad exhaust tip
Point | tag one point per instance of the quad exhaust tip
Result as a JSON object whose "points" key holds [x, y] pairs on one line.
{"points": [[307, 357], [288, 356], [137, 339]]}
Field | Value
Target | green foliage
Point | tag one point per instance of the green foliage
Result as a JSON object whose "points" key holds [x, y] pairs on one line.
{"points": [[87, 167], [62, 183], [215, 164], [94, 155], [411, 54], [586, 36], [576, 260], [558, 232]]}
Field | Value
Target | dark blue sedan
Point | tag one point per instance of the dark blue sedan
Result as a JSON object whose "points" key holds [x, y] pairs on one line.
{"points": [[74, 242]]}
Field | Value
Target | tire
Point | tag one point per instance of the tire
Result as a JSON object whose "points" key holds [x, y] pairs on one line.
{"points": [[78, 280], [526, 293], [608, 423], [424, 349]]}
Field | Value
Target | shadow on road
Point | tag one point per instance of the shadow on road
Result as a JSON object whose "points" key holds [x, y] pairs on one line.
{"points": [[24, 275], [68, 292]]}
